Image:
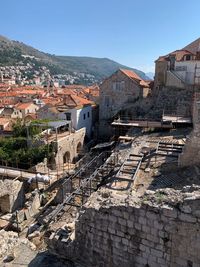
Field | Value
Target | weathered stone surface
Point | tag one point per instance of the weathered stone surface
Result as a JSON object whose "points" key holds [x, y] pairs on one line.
{"points": [[152, 235]]}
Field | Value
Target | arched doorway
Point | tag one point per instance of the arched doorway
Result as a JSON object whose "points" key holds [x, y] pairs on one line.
{"points": [[79, 152], [79, 149], [51, 164], [66, 157]]}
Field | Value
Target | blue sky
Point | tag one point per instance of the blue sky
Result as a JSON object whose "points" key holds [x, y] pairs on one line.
{"points": [[131, 32]]}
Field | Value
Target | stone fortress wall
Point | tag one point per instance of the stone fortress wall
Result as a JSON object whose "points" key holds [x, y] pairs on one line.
{"points": [[159, 230]]}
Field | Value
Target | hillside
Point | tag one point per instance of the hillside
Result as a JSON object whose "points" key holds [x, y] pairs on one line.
{"points": [[14, 53]]}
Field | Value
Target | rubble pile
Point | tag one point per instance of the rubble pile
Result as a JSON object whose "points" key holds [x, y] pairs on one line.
{"points": [[9, 240]]}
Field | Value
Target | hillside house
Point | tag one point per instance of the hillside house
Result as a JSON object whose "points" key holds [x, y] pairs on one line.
{"points": [[72, 108], [26, 108], [121, 89], [10, 112], [180, 69]]}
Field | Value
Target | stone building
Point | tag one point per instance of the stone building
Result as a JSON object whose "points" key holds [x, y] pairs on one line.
{"points": [[180, 68], [117, 92], [68, 146], [72, 108]]}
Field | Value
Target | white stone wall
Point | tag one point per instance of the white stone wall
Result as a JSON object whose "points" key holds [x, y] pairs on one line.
{"points": [[85, 120], [77, 117], [188, 73]]}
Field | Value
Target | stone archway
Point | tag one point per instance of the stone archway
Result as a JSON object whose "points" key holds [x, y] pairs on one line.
{"points": [[66, 157]]}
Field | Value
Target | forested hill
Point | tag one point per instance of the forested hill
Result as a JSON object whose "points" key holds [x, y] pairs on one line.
{"points": [[16, 53]]}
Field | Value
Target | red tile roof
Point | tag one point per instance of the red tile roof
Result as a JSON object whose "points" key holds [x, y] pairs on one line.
{"points": [[23, 105], [179, 54], [131, 74]]}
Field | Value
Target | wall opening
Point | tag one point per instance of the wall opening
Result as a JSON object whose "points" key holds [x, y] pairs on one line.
{"points": [[79, 153], [5, 204], [79, 148], [66, 157]]}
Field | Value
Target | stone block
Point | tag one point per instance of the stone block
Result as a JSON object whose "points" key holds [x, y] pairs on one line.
{"points": [[130, 223], [187, 218], [138, 226], [148, 243], [152, 238], [126, 215], [152, 215], [111, 230], [119, 233], [116, 239], [169, 212], [156, 253], [117, 213], [158, 225], [125, 241], [112, 219], [144, 248], [142, 220], [122, 221], [162, 261], [146, 229]]}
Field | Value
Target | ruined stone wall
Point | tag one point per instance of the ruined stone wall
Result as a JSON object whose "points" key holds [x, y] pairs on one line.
{"points": [[172, 101], [191, 151], [160, 73], [128, 232]]}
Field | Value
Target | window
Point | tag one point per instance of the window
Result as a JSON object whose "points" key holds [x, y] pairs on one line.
{"points": [[88, 114], [114, 86], [107, 101], [84, 116], [68, 116], [117, 86], [188, 57], [122, 85]]}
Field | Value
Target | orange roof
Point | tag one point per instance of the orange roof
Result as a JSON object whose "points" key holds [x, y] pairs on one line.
{"points": [[131, 74], [51, 100], [81, 101], [179, 54], [74, 101], [23, 105]]}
